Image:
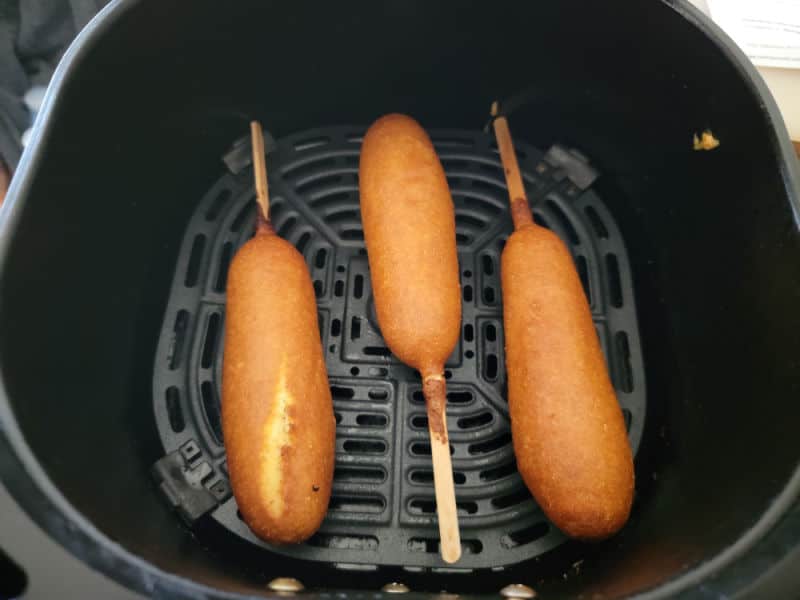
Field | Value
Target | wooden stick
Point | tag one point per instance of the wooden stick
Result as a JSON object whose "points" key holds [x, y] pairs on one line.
{"points": [[260, 168], [434, 389], [520, 210]]}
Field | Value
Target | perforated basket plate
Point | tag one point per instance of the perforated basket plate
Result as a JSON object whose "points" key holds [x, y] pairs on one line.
{"points": [[382, 511]]}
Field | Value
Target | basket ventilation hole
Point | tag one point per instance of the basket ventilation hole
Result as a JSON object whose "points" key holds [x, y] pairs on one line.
{"points": [[358, 287], [211, 408], [222, 270], [597, 223], [424, 449], [583, 272], [488, 265], [287, 226], [302, 241], [427, 506], [425, 477], [174, 412], [525, 536], [359, 475], [355, 328], [342, 393], [517, 497], [539, 219], [347, 541], [564, 222], [342, 216], [352, 235], [490, 445], [462, 397], [377, 351], [195, 260], [378, 394], [614, 281], [498, 472], [469, 221], [475, 421], [624, 353], [373, 504], [372, 420], [243, 215], [179, 338], [210, 343], [364, 446], [419, 421], [310, 186], [490, 370]]}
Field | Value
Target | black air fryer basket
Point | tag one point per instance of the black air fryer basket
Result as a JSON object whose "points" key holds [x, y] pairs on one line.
{"points": [[137, 190]]}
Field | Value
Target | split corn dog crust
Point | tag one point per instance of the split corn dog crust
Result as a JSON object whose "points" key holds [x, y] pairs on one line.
{"points": [[277, 411]]}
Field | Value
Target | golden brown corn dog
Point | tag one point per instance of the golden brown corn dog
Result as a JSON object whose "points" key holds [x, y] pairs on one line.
{"points": [[409, 229], [567, 427], [277, 411]]}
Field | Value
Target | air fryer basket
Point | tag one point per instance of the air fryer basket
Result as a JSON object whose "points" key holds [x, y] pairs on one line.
{"points": [[382, 509], [128, 146]]}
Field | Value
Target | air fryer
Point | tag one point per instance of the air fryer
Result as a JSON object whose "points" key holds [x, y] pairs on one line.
{"points": [[137, 190]]}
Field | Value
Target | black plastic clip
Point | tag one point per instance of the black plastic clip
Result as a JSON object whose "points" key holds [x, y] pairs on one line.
{"points": [[572, 164], [189, 483], [240, 154]]}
